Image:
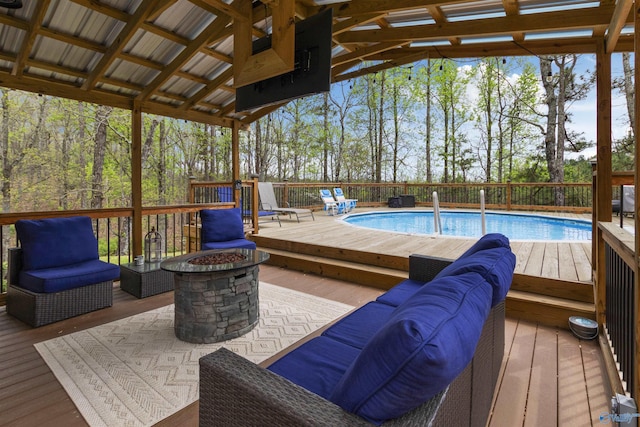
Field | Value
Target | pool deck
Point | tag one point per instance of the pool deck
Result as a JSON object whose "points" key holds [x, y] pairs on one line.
{"points": [[569, 261]]}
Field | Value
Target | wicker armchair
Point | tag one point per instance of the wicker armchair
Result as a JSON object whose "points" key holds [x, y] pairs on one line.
{"points": [[57, 274]]}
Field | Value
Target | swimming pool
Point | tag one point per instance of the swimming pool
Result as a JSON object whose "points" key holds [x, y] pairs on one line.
{"points": [[468, 224]]}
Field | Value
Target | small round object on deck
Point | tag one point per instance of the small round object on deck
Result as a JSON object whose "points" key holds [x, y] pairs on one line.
{"points": [[583, 328]]}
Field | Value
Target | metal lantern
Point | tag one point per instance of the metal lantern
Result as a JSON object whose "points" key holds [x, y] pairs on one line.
{"points": [[153, 246]]}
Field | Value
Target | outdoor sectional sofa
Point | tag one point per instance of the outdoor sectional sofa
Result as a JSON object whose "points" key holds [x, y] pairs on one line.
{"points": [[56, 273], [427, 352]]}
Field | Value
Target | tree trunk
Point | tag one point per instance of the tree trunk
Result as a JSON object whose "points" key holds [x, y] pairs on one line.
{"points": [[428, 125], [99, 150], [629, 93], [162, 167], [4, 150], [380, 148]]}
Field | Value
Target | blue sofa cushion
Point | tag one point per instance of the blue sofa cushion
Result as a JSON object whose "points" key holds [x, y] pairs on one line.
{"points": [[488, 241], [55, 242], [495, 265], [68, 276], [221, 225], [358, 327], [400, 292], [237, 243], [316, 365], [425, 345]]}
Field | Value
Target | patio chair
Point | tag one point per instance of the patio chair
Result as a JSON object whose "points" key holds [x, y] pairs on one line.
{"points": [[268, 202], [225, 194], [330, 204], [57, 273], [223, 229], [350, 203]]}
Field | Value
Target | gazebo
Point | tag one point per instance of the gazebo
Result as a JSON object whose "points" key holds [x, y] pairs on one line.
{"points": [[186, 59]]}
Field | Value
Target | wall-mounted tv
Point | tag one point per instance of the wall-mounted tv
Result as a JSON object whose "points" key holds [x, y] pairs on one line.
{"points": [[312, 73]]}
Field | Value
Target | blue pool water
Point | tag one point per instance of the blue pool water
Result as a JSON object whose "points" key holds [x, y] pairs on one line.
{"points": [[467, 224]]}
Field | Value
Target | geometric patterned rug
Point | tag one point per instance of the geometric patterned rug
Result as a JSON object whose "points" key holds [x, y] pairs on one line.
{"points": [[135, 372]]}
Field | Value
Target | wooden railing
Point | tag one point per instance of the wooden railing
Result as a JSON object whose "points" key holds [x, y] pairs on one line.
{"points": [[616, 294], [503, 196]]}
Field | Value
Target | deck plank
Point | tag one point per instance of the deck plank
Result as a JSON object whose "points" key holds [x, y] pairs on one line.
{"points": [[543, 410], [511, 402], [573, 407], [550, 266]]}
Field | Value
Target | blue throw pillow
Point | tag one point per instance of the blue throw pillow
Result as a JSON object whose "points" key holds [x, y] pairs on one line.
{"points": [[221, 225], [495, 265], [56, 242], [424, 346]]}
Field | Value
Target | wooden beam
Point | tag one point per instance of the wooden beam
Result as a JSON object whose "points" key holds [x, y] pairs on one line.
{"points": [[208, 88], [486, 27], [228, 9], [362, 7], [146, 8], [636, 163], [618, 21], [359, 54], [30, 39], [279, 59], [211, 32]]}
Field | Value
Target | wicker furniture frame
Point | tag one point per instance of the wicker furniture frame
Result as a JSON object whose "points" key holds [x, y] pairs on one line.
{"points": [[37, 309], [234, 391], [143, 281]]}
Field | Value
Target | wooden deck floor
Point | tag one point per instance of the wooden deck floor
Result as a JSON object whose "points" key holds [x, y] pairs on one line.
{"points": [[569, 261], [549, 377]]}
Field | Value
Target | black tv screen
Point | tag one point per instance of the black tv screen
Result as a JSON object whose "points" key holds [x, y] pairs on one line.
{"points": [[312, 72]]}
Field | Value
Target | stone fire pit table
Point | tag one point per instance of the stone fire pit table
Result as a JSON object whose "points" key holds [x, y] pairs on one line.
{"points": [[216, 293]]}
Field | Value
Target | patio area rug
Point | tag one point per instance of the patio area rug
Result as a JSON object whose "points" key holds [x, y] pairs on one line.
{"points": [[135, 372]]}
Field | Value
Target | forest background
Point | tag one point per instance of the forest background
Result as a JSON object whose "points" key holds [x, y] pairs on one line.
{"points": [[477, 120]]}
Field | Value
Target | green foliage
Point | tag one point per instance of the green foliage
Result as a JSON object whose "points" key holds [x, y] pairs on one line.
{"points": [[484, 124]]}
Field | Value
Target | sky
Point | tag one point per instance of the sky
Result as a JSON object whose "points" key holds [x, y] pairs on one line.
{"points": [[584, 112]]}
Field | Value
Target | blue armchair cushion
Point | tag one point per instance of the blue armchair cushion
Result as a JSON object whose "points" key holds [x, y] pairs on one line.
{"points": [[425, 345], [310, 367], [495, 265], [55, 242], [68, 277], [236, 243], [221, 225], [358, 327]]}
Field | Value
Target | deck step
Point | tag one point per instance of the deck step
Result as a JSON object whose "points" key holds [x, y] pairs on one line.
{"points": [[551, 311], [363, 274], [544, 309]]}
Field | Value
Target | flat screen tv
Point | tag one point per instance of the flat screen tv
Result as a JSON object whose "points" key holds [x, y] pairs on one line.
{"points": [[312, 73]]}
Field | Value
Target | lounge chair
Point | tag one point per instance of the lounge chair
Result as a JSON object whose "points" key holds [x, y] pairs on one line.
{"points": [[268, 202], [332, 206], [225, 194], [350, 203]]}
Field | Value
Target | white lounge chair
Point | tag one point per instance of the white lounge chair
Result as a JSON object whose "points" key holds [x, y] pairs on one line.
{"points": [[332, 206], [349, 203], [268, 202]]}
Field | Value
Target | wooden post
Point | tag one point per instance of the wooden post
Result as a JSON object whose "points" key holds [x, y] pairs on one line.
{"points": [[603, 179], [636, 180], [508, 194], [255, 204], [235, 161], [136, 178]]}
